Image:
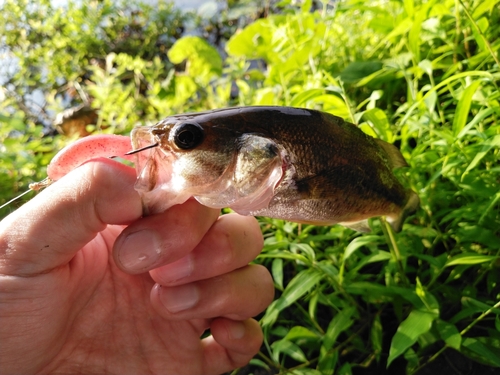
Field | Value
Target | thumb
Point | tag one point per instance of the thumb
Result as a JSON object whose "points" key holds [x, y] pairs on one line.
{"points": [[48, 230]]}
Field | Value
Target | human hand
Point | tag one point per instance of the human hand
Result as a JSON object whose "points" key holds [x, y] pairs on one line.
{"points": [[76, 297]]}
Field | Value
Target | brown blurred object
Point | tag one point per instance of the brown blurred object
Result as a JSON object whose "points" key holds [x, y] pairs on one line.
{"points": [[74, 120]]}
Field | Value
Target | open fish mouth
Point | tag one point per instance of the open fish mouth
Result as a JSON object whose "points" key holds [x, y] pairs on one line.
{"points": [[154, 169], [165, 175]]}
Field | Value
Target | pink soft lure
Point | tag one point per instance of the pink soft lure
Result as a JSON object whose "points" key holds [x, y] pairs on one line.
{"points": [[86, 149]]}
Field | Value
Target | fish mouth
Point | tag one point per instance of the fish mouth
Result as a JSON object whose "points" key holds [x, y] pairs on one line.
{"points": [[154, 170]]}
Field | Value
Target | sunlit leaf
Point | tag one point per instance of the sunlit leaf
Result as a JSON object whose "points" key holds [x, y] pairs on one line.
{"points": [[302, 97], [463, 107], [380, 123], [203, 60]]}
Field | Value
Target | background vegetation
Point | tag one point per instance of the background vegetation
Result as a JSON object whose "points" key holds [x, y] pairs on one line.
{"points": [[421, 74]]}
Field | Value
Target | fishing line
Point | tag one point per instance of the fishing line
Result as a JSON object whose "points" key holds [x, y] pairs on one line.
{"points": [[13, 199], [39, 185], [142, 149], [35, 186]]}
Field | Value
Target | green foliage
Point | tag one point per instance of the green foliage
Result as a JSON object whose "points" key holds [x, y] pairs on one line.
{"points": [[423, 75], [22, 150]]}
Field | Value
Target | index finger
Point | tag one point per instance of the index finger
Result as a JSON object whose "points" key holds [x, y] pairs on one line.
{"points": [[48, 230]]}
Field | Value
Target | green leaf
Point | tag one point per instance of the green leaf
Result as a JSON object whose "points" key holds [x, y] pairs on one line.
{"points": [[256, 40], [341, 322], [471, 307], [203, 60], [482, 349], [430, 302], [345, 369], [417, 323], [483, 7], [376, 334], [360, 242], [375, 256], [12, 122], [463, 107], [301, 284], [288, 348], [259, 363], [304, 96], [449, 333], [414, 36], [380, 123], [299, 332], [358, 70], [328, 362], [277, 272], [481, 116], [304, 248], [426, 66], [486, 147], [469, 259]]}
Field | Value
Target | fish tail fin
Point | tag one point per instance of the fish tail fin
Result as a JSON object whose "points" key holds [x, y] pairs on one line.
{"points": [[396, 222], [396, 160]]}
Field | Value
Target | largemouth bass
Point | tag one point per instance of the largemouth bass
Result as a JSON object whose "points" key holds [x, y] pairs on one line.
{"points": [[287, 163]]}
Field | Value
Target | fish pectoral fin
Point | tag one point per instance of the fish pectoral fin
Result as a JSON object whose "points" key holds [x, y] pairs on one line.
{"points": [[257, 159], [359, 226], [396, 222]]}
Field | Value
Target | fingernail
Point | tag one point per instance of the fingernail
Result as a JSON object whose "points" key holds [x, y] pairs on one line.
{"points": [[139, 251], [178, 270], [179, 298], [237, 330]]}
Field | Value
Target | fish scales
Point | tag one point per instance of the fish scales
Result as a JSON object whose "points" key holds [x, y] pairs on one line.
{"points": [[289, 163], [343, 177]]}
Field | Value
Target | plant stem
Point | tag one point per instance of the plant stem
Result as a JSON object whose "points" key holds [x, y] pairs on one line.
{"points": [[437, 354], [479, 318], [464, 331], [394, 249]]}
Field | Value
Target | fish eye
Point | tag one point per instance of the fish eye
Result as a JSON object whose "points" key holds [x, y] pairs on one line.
{"points": [[188, 135]]}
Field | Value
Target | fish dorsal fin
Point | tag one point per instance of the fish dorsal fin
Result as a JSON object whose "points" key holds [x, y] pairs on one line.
{"points": [[395, 158]]}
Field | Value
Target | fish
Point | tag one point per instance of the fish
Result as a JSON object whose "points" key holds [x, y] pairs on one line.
{"points": [[296, 164]]}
